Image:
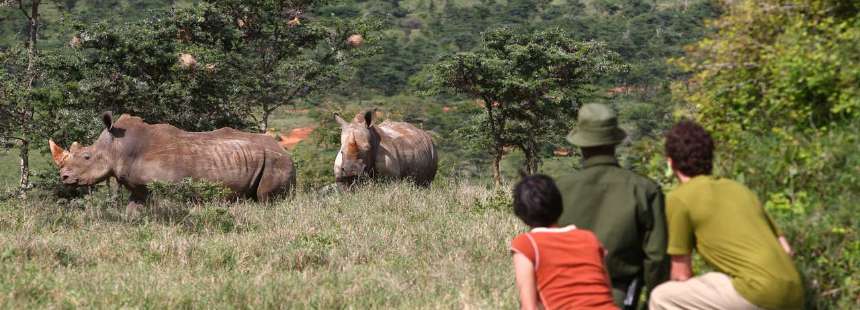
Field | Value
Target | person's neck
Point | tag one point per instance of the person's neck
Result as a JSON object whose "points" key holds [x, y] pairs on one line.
{"points": [[682, 177], [553, 225], [606, 150]]}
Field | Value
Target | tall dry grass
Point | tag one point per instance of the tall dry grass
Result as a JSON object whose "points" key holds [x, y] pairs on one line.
{"points": [[381, 246]]}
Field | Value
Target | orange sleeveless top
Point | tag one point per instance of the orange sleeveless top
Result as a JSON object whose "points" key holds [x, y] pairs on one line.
{"points": [[569, 271]]}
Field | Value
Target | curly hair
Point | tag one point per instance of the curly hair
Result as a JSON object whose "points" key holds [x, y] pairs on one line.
{"points": [[537, 201], [691, 148]]}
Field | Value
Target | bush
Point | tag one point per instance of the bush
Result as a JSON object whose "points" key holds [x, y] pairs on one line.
{"points": [[314, 157], [188, 191], [810, 184]]}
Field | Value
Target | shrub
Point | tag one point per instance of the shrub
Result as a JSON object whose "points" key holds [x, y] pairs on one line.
{"points": [[188, 191]]}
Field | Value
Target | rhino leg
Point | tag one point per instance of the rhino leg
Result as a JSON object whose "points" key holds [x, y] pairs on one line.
{"points": [[277, 179], [135, 203]]}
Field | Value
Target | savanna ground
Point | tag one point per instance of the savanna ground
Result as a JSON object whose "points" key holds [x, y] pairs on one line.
{"points": [[384, 245], [387, 245]]}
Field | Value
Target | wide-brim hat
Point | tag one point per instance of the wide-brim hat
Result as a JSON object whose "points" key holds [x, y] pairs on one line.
{"points": [[597, 125]]}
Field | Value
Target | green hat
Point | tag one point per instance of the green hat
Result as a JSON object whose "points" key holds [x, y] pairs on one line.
{"points": [[596, 125]]}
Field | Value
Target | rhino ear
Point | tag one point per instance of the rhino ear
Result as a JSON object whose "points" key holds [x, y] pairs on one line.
{"points": [[107, 119], [368, 117], [58, 154], [339, 120]]}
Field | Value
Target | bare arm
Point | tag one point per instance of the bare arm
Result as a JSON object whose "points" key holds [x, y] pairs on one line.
{"points": [[525, 274], [785, 246], [682, 267]]}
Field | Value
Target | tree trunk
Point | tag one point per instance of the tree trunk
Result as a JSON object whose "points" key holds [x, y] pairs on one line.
{"points": [[264, 121], [497, 172], [532, 158], [25, 164], [495, 131], [27, 113]]}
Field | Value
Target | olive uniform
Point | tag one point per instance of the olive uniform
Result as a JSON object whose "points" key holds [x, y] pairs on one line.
{"points": [[624, 209]]}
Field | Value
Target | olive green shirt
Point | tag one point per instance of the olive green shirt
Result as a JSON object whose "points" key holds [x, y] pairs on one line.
{"points": [[625, 211], [724, 221]]}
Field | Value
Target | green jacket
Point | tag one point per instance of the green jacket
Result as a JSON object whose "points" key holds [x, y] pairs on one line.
{"points": [[626, 212]]}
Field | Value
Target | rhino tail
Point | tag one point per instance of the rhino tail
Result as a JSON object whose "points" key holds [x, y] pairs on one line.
{"points": [[254, 187]]}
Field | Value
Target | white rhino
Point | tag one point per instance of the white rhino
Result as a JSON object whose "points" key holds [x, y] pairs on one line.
{"points": [[394, 150]]}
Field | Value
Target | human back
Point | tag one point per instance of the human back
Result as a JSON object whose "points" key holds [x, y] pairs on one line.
{"points": [[612, 202], [724, 222], [735, 236], [624, 209], [554, 250], [556, 267]]}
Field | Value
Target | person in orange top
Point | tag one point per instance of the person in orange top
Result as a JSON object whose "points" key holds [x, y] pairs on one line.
{"points": [[556, 267]]}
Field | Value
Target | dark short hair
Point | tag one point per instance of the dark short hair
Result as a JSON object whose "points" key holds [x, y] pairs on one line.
{"points": [[691, 148], [537, 201]]}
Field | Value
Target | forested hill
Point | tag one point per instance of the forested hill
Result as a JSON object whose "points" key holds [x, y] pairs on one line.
{"points": [[417, 32]]}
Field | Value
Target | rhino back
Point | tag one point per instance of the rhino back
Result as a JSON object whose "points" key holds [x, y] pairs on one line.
{"points": [[164, 153], [405, 151]]}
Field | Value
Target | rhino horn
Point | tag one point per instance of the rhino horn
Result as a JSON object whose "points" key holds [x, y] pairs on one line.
{"points": [[58, 154]]}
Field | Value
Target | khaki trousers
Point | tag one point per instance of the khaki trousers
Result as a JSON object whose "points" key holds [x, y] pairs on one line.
{"points": [[712, 290]]}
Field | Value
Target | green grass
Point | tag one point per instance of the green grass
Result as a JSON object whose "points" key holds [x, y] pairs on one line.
{"points": [[383, 246], [10, 163]]}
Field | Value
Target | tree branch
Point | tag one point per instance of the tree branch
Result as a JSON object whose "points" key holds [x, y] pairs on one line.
{"points": [[23, 11]]}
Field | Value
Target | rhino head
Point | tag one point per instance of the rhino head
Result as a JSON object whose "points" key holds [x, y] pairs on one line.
{"points": [[85, 165], [356, 156]]}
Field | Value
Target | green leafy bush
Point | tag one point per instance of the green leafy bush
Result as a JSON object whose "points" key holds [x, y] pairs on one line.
{"points": [[500, 200], [188, 190]]}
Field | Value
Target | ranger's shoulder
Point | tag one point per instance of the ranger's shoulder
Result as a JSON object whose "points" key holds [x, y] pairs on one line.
{"points": [[642, 180]]}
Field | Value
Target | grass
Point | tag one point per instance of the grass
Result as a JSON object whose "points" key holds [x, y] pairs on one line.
{"points": [[383, 246], [10, 164]]}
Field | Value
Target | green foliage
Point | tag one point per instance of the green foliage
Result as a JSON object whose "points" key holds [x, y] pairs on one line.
{"points": [[188, 191], [782, 65], [777, 84], [531, 85], [283, 56], [499, 201], [811, 188], [242, 60], [314, 156], [135, 68]]}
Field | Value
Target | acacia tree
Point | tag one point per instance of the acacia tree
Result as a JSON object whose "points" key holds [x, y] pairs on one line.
{"points": [[285, 52], [155, 68], [217, 63], [20, 93], [530, 85]]}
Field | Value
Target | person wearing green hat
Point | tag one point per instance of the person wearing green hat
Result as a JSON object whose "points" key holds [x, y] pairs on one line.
{"points": [[624, 209]]}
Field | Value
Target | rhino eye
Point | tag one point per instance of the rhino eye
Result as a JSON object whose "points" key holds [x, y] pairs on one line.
{"points": [[87, 156]]}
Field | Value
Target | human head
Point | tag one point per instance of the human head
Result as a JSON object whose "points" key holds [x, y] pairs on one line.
{"points": [[596, 126], [537, 201], [690, 149]]}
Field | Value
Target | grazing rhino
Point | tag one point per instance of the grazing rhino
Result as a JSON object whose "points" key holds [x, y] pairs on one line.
{"points": [[137, 153], [392, 149]]}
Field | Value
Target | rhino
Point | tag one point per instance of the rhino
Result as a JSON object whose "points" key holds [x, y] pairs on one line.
{"points": [[136, 153], [395, 150]]}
